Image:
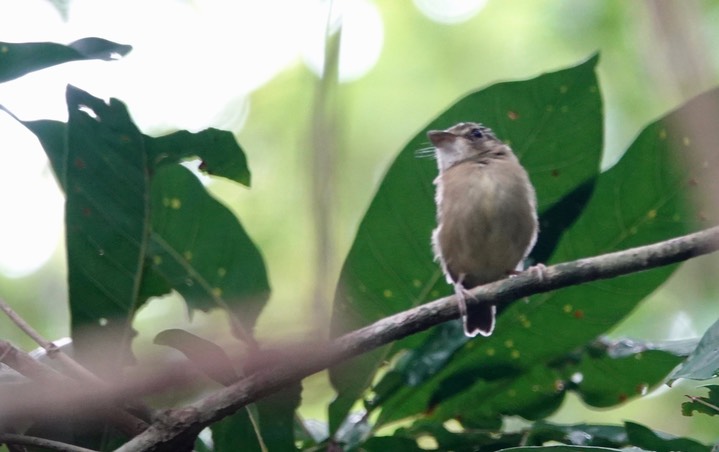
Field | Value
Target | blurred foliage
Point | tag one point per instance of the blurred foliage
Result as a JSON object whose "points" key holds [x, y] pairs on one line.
{"points": [[422, 66]]}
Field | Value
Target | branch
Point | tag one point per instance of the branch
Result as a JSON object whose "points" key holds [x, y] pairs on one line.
{"points": [[47, 377], [26, 365], [177, 427], [52, 350]]}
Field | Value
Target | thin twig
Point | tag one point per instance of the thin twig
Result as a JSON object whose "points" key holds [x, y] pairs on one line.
{"points": [[45, 375], [700, 401], [176, 426], [11, 438], [53, 351], [125, 421]]}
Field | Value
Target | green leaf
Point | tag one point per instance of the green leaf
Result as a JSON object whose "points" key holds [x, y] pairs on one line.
{"points": [[200, 248], [102, 157], [464, 440], [553, 122], [18, 59], [595, 372], [277, 417], [393, 443], [539, 433], [645, 438], [53, 138], [565, 449], [235, 432], [107, 216], [604, 380], [576, 437], [577, 434], [703, 363], [642, 199], [218, 149], [267, 425], [201, 243], [705, 405]]}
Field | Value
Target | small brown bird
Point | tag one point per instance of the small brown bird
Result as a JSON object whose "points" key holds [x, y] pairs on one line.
{"points": [[486, 215]]}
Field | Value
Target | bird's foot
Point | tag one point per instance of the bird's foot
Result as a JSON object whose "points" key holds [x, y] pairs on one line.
{"points": [[538, 271]]}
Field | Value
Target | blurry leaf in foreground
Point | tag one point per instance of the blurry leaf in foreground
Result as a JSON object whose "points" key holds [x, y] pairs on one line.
{"points": [[18, 59]]}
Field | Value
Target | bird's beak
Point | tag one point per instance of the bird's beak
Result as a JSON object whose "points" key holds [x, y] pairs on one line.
{"points": [[437, 137]]}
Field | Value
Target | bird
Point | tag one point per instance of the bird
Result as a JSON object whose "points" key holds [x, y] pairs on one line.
{"points": [[486, 215]]}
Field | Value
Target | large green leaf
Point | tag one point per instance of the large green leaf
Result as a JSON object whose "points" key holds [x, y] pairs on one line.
{"points": [[640, 200], [18, 59], [553, 123]]}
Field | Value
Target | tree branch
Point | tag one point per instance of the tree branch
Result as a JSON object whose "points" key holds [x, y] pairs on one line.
{"points": [[176, 427], [46, 376], [52, 350]]}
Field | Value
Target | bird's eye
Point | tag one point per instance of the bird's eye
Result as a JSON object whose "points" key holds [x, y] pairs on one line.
{"points": [[476, 133]]}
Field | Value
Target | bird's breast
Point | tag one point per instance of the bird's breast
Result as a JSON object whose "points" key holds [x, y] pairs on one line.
{"points": [[487, 220]]}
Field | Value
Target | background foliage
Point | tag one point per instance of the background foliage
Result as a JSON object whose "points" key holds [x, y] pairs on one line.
{"points": [[276, 140]]}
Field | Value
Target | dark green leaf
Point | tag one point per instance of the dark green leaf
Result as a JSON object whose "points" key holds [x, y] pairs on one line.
{"points": [[554, 125], [585, 436], [703, 363], [277, 417], [204, 228], [393, 443], [107, 220], [52, 136], [566, 449], [218, 149], [464, 440], [202, 251], [604, 381], [236, 432], [18, 59], [577, 434], [645, 438], [705, 405]]}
